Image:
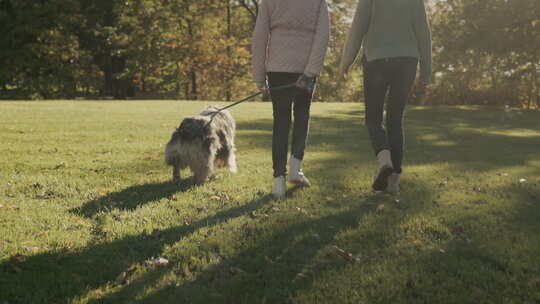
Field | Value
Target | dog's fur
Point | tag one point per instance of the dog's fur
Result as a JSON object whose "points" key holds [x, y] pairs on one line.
{"points": [[203, 143]]}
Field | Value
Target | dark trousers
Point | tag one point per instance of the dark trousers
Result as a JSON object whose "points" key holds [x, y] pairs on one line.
{"points": [[282, 103], [390, 80]]}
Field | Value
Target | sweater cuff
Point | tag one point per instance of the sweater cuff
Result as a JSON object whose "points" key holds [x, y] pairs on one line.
{"points": [[259, 78], [425, 77], [260, 84]]}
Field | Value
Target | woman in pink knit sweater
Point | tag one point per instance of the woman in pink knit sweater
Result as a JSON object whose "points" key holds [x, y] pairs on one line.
{"points": [[289, 45]]}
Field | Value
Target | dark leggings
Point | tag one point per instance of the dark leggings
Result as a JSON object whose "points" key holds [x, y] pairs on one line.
{"points": [[282, 103], [391, 79]]}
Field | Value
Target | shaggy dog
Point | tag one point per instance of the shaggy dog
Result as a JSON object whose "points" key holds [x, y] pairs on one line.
{"points": [[203, 143]]}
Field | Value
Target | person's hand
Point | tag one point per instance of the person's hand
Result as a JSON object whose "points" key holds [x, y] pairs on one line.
{"points": [[263, 87], [422, 85], [306, 82], [342, 75]]}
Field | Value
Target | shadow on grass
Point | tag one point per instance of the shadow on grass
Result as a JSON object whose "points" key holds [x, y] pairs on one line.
{"points": [[61, 276], [490, 263], [291, 261], [270, 271], [269, 268], [133, 197]]}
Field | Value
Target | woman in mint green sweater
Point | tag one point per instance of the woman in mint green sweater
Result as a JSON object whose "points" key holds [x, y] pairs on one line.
{"points": [[394, 36]]}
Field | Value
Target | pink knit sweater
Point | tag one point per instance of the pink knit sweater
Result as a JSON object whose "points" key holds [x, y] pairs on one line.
{"points": [[290, 36]]}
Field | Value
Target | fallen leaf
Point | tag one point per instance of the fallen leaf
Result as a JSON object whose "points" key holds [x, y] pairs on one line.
{"points": [[301, 210], [221, 274], [121, 278], [344, 254], [60, 166], [16, 257], [522, 180], [458, 229], [15, 268], [236, 270], [299, 276], [151, 156], [156, 233], [269, 260], [157, 262], [215, 198], [31, 249], [535, 281], [186, 270], [77, 277]]}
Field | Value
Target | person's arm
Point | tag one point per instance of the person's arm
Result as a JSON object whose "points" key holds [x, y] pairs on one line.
{"points": [[259, 44], [423, 37], [356, 35], [320, 42]]}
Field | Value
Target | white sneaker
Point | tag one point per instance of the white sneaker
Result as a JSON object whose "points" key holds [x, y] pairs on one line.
{"points": [[278, 191], [385, 170], [296, 176], [393, 184], [384, 158]]}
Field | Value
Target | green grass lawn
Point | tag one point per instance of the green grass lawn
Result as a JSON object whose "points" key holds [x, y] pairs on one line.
{"points": [[86, 202]]}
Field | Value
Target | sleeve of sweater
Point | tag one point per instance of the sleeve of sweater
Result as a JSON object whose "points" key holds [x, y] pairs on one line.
{"points": [[356, 35], [259, 44], [320, 42], [423, 37]]}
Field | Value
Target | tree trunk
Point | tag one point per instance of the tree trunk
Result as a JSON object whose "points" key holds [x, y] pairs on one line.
{"points": [[108, 84], [178, 77], [494, 86], [193, 95], [536, 85], [186, 90], [229, 53]]}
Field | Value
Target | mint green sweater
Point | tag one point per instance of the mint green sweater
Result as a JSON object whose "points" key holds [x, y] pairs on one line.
{"points": [[390, 28]]}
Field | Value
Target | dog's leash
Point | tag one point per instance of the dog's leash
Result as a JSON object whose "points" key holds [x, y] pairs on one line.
{"points": [[213, 114], [286, 86]]}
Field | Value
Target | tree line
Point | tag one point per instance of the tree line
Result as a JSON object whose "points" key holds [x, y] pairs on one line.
{"points": [[484, 52]]}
